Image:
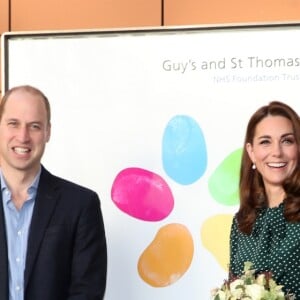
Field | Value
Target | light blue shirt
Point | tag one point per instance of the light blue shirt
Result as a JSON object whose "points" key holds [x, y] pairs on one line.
{"points": [[17, 224]]}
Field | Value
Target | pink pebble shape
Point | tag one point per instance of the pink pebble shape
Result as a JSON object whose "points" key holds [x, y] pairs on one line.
{"points": [[142, 194]]}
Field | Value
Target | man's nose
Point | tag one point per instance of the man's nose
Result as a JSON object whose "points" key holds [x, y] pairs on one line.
{"points": [[23, 134]]}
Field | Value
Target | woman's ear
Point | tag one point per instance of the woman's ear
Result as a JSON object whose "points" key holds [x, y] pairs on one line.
{"points": [[249, 149]]}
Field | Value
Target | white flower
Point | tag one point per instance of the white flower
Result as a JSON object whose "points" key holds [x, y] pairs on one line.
{"points": [[261, 279], [214, 292], [235, 284], [237, 294], [255, 291], [250, 287], [221, 294], [236, 288]]}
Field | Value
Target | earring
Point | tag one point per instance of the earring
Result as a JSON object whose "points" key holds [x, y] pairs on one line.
{"points": [[253, 166]]}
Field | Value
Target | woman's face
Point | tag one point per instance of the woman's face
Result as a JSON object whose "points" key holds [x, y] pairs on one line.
{"points": [[274, 150]]}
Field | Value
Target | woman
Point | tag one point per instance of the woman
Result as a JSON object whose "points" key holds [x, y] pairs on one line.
{"points": [[266, 229]]}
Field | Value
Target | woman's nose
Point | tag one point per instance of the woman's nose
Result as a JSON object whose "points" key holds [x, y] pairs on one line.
{"points": [[276, 149]]}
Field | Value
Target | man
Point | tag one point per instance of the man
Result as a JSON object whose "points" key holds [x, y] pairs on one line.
{"points": [[52, 239]]}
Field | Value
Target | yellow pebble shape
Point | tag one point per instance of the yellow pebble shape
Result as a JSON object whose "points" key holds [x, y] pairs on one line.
{"points": [[215, 233]]}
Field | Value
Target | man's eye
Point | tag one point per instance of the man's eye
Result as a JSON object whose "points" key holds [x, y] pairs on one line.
{"points": [[35, 126], [12, 124]]}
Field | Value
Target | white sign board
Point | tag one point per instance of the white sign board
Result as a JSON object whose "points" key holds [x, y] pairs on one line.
{"points": [[154, 121]]}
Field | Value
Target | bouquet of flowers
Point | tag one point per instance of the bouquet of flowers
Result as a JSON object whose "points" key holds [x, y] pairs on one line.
{"points": [[251, 287]]}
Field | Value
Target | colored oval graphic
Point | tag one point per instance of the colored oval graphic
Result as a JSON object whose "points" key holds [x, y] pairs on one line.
{"points": [[142, 194], [223, 184], [167, 257], [215, 233], [184, 153]]}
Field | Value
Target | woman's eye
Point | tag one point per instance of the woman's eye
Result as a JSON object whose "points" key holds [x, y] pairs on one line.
{"points": [[264, 142], [288, 141]]}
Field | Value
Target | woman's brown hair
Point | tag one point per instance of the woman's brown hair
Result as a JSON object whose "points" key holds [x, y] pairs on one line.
{"points": [[251, 187]]}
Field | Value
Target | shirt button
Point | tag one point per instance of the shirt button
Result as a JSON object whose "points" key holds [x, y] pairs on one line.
{"points": [[19, 232], [18, 288], [18, 259]]}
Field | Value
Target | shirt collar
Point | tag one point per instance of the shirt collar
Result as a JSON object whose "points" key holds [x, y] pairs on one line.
{"points": [[33, 186]]}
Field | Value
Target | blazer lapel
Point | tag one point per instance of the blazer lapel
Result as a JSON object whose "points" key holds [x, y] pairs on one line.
{"points": [[45, 203], [3, 255]]}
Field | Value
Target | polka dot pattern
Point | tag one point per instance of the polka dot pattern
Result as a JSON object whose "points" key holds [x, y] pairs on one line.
{"points": [[273, 245]]}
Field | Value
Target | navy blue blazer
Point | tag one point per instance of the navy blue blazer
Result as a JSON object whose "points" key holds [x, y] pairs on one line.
{"points": [[66, 254]]}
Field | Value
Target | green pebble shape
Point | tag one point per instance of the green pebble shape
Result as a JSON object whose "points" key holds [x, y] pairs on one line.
{"points": [[223, 184]]}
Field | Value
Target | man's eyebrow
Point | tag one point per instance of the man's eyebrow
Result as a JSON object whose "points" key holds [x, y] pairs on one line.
{"points": [[10, 119]]}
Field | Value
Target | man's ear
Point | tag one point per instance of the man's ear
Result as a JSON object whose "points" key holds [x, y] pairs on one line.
{"points": [[48, 133]]}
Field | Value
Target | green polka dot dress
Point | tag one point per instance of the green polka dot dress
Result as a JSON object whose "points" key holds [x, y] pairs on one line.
{"points": [[273, 245]]}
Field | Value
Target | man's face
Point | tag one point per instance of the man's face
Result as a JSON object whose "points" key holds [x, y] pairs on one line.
{"points": [[24, 132]]}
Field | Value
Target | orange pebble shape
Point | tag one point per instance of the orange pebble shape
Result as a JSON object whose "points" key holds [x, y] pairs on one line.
{"points": [[167, 257]]}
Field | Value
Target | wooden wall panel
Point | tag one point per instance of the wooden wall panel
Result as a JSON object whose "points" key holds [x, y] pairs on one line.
{"points": [[4, 24], [191, 12], [78, 14], [4, 18]]}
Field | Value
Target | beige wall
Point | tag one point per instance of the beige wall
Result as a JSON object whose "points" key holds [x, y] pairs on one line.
{"points": [[3, 15], [3, 22], [181, 12], [78, 14]]}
